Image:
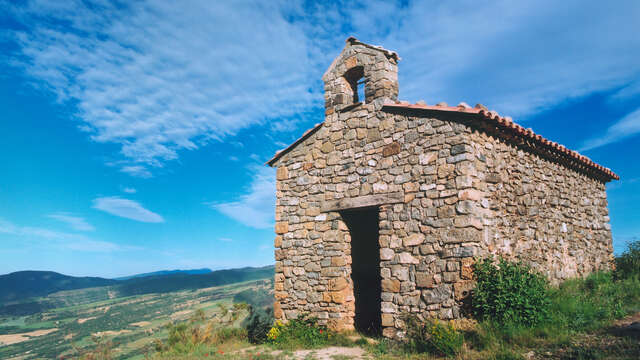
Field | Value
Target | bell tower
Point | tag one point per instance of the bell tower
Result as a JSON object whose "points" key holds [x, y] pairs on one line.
{"points": [[362, 73]]}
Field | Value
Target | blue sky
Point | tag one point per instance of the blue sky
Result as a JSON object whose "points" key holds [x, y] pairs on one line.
{"points": [[134, 133]]}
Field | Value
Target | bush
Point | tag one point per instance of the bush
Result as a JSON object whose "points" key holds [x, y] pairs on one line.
{"points": [[509, 292], [628, 264], [258, 324], [433, 337], [303, 332]]}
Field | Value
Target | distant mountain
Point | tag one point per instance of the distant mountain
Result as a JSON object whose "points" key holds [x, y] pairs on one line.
{"points": [[166, 272], [180, 281], [25, 284], [17, 289]]}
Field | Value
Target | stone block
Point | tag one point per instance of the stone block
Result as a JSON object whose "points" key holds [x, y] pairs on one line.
{"points": [[427, 158], [466, 270], [386, 254], [387, 320], [391, 149], [407, 258], [338, 283], [470, 194], [338, 261], [282, 173], [277, 310], [413, 240], [391, 285], [437, 295], [424, 280], [282, 227]]}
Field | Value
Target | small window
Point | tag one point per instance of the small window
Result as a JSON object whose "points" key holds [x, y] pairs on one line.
{"points": [[360, 92], [356, 80]]}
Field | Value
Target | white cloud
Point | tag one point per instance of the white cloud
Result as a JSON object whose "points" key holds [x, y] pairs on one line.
{"points": [[626, 127], [225, 239], [129, 190], [75, 222], [136, 171], [157, 78], [516, 57], [126, 208], [256, 208], [59, 239]]}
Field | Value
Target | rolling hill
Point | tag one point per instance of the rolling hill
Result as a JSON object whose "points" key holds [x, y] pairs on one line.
{"points": [[21, 285], [27, 292], [166, 272], [180, 281]]}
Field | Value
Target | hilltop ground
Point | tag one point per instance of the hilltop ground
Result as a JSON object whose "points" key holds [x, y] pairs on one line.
{"points": [[131, 326]]}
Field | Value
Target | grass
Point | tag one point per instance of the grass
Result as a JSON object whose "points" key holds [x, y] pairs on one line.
{"points": [[155, 308], [577, 327]]}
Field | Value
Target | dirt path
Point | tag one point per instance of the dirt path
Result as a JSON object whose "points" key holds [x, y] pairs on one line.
{"points": [[328, 353], [331, 353], [629, 327]]}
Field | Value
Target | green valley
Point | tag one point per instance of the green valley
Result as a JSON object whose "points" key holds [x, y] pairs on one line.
{"points": [[129, 317]]}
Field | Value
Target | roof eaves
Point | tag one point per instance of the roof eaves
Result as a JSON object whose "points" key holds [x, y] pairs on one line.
{"points": [[304, 136], [506, 124]]}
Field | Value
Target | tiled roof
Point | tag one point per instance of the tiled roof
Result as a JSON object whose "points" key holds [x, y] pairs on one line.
{"points": [[506, 128]]}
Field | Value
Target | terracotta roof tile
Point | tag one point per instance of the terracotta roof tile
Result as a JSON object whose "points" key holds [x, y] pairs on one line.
{"points": [[505, 125]]}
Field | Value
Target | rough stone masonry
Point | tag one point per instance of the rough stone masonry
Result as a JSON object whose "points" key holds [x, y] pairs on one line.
{"points": [[449, 184]]}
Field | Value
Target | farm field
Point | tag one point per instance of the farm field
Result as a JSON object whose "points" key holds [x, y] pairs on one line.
{"points": [[131, 323]]}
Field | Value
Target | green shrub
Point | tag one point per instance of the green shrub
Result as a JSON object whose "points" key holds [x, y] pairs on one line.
{"points": [[628, 264], [433, 337], [509, 292], [258, 324], [302, 332]]}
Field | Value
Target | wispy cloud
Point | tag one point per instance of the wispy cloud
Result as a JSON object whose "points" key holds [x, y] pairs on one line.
{"points": [[126, 208], [256, 208], [626, 127], [157, 78], [60, 239], [518, 58], [75, 222], [136, 171], [225, 239], [129, 190]]}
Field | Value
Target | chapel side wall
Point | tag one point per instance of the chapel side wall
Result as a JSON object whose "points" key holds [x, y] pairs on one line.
{"points": [[552, 217]]}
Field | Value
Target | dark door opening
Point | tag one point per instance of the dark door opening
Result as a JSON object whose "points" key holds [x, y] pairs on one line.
{"points": [[365, 268]]}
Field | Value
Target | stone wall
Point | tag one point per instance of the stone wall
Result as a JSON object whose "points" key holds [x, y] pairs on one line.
{"points": [[450, 192], [464, 194], [554, 218]]}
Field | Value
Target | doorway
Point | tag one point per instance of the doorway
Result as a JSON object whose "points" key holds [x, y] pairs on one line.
{"points": [[364, 228]]}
